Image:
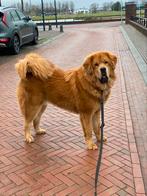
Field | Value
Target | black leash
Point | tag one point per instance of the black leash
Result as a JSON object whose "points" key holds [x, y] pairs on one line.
{"points": [[101, 145]]}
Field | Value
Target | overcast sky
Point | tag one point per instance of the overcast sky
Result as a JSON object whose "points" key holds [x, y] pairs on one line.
{"points": [[78, 3]]}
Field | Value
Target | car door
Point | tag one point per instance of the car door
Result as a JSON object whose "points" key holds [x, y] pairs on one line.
{"points": [[18, 25], [28, 27], [31, 27]]}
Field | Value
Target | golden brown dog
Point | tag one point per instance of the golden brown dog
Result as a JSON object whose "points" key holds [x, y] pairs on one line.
{"points": [[78, 90]]}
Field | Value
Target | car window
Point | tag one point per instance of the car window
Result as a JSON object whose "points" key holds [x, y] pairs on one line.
{"points": [[21, 15], [9, 17], [1, 16], [14, 15]]}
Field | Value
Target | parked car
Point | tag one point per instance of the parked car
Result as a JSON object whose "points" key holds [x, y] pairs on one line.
{"points": [[16, 29]]}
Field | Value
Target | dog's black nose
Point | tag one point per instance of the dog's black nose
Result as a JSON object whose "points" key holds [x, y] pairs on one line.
{"points": [[103, 71]]}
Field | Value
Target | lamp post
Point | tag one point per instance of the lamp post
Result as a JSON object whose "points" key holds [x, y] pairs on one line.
{"points": [[121, 12], [30, 6], [139, 7], [42, 12], [22, 6], [56, 13]]}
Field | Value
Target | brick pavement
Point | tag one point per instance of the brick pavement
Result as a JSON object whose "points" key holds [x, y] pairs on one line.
{"points": [[138, 39], [137, 96], [137, 43], [58, 162]]}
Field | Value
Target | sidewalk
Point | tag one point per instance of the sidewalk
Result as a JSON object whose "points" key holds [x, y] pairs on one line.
{"points": [[139, 42], [45, 36], [58, 163], [136, 85], [138, 39]]}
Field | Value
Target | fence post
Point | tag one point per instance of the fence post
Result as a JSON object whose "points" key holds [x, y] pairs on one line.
{"points": [[61, 28], [130, 11], [49, 27]]}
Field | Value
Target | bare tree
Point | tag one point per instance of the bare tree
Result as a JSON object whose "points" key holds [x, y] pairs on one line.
{"points": [[71, 6], [107, 6], [94, 7], [18, 5], [62, 7], [35, 10], [59, 7], [51, 7], [26, 8], [66, 6]]}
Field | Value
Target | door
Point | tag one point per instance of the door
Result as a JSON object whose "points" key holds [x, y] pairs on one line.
{"points": [[18, 25], [28, 36]]}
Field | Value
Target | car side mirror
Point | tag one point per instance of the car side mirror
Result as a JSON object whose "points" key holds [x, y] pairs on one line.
{"points": [[27, 18]]}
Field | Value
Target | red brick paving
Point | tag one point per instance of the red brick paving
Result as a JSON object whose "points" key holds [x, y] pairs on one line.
{"points": [[137, 97], [58, 163]]}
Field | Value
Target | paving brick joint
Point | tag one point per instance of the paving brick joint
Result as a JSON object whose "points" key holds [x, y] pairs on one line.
{"points": [[58, 162]]}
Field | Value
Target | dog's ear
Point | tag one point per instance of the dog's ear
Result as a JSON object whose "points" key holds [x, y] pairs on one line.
{"points": [[88, 65], [113, 59], [29, 72]]}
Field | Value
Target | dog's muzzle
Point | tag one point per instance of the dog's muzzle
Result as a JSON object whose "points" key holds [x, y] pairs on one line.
{"points": [[104, 77]]}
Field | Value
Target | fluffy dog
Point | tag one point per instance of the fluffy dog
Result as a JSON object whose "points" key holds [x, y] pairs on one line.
{"points": [[78, 90]]}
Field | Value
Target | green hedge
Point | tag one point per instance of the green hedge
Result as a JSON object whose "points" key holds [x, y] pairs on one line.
{"points": [[81, 16]]}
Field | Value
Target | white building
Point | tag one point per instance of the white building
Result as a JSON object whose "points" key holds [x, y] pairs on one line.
{"points": [[81, 10]]}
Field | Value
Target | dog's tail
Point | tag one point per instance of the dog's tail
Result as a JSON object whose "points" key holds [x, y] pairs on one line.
{"points": [[33, 65]]}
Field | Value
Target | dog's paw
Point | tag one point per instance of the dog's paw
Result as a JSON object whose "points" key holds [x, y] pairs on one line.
{"points": [[99, 138], [91, 145], [29, 139], [40, 131]]}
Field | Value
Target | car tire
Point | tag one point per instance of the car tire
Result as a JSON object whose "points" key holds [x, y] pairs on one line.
{"points": [[35, 39], [15, 48]]}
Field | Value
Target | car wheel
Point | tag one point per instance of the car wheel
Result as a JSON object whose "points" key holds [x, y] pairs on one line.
{"points": [[35, 40], [15, 48]]}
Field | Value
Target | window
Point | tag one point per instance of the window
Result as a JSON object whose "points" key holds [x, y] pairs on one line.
{"points": [[21, 15], [1, 16], [14, 15], [9, 17]]}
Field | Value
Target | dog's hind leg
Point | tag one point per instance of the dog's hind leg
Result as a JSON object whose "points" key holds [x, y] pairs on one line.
{"points": [[36, 121], [30, 115]]}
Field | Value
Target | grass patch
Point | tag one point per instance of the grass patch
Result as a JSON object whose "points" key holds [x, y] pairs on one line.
{"points": [[81, 16]]}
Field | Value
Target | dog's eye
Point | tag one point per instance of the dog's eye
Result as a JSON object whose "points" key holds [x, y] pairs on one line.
{"points": [[105, 62], [96, 64]]}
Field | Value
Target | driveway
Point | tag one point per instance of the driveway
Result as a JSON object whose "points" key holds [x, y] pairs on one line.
{"points": [[58, 162]]}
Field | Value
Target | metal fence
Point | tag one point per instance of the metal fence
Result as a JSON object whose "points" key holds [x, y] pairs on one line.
{"points": [[140, 20]]}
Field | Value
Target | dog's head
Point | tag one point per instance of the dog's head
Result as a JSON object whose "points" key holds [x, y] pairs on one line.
{"points": [[101, 66]]}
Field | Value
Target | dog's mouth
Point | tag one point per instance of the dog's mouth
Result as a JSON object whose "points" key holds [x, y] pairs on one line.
{"points": [[104, 79]]}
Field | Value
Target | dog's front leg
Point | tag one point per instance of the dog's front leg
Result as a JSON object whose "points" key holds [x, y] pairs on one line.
{"points": [[86, 121], [96, 126], [28, 136]]}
